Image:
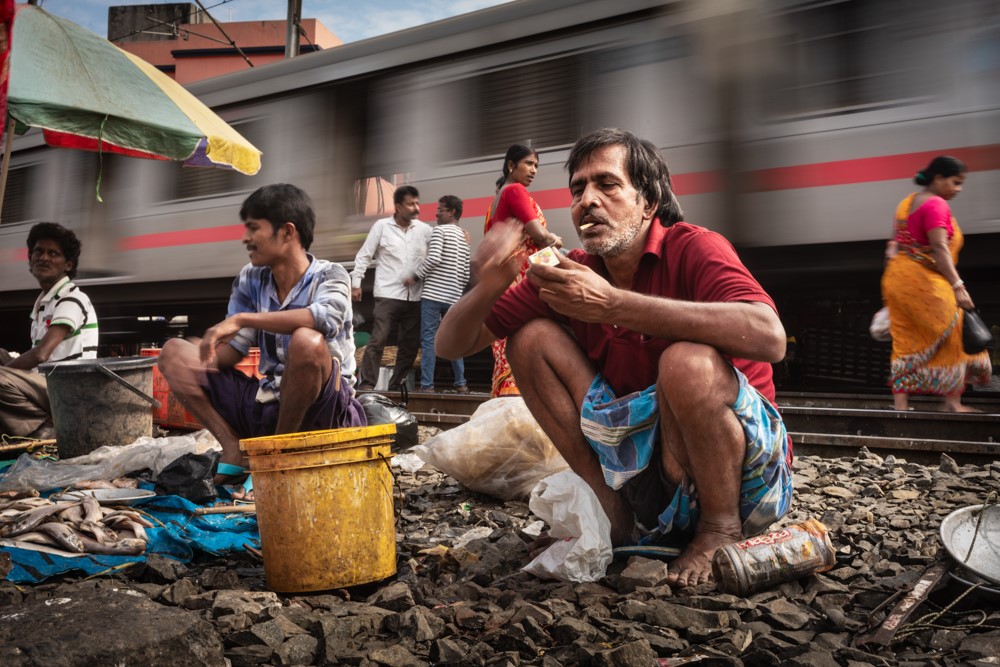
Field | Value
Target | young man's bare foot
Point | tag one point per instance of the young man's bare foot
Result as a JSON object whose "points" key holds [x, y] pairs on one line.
{"points": [[694, 565]]}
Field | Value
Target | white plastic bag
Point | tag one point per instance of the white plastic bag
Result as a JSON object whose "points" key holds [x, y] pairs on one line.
{"points": [[575, 515], [879, 328], [501, 451]]}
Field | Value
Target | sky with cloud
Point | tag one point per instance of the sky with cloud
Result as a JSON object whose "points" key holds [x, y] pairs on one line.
{"points": [[351, 20]]}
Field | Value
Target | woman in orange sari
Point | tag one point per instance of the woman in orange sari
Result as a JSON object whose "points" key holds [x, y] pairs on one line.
{"points": [[925, 294], [512, 201]]}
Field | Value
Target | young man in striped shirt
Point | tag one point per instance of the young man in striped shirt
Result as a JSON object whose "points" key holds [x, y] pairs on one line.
{"points": [[445, 273], [63, 327]]}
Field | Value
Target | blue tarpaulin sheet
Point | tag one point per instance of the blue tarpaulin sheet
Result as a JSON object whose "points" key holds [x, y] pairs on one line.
{"points": [[177, 533]]}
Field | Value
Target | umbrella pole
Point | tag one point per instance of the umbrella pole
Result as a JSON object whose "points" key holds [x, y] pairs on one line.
{"points": [[8, 144]]}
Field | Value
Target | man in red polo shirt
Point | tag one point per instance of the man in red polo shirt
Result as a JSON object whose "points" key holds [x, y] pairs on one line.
{"points": [[645, 357]]}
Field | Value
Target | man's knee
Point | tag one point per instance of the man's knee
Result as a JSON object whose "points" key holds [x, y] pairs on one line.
{"points": [[175, 357], [307, 341], [694, 373], [526, 346]]}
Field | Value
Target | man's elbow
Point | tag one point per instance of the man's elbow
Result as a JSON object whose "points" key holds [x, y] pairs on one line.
{"points": [[775, 343], [444, 348]]}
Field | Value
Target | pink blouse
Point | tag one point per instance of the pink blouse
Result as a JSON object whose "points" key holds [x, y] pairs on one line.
{"points": [[933, 213]]}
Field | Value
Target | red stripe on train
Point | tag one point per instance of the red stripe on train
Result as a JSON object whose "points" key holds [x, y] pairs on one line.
{"points": [[820, 174], [184, 237], [865, 170]]}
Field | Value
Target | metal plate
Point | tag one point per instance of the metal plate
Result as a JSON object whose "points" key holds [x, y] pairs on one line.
{"points": [[957, 532]]}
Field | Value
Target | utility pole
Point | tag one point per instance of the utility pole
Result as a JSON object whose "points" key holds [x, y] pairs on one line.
{"points": [[292, 28]]}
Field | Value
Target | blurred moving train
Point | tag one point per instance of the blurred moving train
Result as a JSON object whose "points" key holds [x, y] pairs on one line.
{"points": [[791, 126]]}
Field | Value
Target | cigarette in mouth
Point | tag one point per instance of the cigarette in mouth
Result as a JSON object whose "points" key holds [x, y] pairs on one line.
{"points": [[586, 226]]}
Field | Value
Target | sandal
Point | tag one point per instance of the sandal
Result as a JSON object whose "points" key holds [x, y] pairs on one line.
{"points": [[235, 472]]}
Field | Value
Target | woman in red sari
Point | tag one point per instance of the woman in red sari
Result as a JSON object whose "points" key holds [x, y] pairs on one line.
{"points": [[512, 201]]}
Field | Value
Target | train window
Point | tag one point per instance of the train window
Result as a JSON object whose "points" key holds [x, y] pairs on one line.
{"points": [[535, 102], [17, 201], [844, 56], [194, 182]]}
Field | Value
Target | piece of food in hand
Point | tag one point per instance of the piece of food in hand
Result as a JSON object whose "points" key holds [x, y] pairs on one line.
{"points": [[546, 256]]}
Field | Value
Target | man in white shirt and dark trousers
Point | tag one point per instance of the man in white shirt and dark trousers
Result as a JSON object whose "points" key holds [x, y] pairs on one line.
{"points": [[396, 245], [445, 273], [63, 327]]}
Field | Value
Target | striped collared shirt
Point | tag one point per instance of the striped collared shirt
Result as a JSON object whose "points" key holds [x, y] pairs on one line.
{"points": [[445, 270], [325, 289], [67, 305]]}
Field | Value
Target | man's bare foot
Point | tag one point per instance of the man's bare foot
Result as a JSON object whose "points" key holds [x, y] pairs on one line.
{"points": [[694, 565]]}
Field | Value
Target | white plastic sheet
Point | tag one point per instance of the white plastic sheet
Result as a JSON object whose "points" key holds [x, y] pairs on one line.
{"points": [[575, 516], [105, 462]]}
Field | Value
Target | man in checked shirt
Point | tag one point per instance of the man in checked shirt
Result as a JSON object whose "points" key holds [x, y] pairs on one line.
{"points": [[297, 310]]}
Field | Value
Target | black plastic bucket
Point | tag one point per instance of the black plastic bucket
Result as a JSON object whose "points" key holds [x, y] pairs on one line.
{"points": [[97, 402]]}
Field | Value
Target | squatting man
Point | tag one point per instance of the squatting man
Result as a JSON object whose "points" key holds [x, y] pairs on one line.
{"points": [[297, 310], [645, 357]]}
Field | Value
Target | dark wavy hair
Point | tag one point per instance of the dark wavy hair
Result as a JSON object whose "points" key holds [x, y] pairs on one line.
{"points": [[515, 154], [644, 163], [943, 165], [68, 243], [281, 203], [453, 204], [404, 191]]}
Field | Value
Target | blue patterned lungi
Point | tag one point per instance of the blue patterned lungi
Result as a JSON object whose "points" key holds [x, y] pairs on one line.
{"points": [[624, 432]]}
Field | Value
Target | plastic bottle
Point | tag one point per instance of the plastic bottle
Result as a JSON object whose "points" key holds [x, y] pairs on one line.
{"points": [[783, 555]]}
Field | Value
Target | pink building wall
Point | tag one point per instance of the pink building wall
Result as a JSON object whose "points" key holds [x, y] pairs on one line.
{"points": [[197, 57]]}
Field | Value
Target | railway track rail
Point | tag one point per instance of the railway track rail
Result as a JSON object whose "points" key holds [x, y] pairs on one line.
{"points": [[826, 424]]}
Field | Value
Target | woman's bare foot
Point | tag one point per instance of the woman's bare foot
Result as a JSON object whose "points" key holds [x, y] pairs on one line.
{"points": [[960, 408], [694, 565]]}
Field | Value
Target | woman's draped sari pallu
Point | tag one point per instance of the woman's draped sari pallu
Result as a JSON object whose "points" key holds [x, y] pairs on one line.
{"points": [[925, 320]]}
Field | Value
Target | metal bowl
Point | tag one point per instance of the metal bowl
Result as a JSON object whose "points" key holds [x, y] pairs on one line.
{"points": [[981, 555], [110, 496]]}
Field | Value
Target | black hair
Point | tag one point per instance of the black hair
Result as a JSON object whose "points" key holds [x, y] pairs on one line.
{"points": [[515, 154], [404, 191], [453, 204], [68, 243], [281, 203], [644, 163], [942, 165]]}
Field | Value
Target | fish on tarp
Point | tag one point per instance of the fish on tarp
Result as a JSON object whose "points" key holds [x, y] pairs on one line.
{"points": [[31, 518], [73, 515], [91, 509], [101, 533], [125, 523], [67, 538], [126, 547], [22, 504]]}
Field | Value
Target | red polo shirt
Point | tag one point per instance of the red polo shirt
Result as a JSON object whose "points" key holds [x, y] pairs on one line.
{"points": [[682, 261]]}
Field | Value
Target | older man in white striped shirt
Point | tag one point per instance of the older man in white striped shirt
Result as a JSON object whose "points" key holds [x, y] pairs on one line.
{"points": [[445, 273]]}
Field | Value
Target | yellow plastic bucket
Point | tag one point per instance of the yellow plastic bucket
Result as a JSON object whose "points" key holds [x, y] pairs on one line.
{"points": [[324, 507]]}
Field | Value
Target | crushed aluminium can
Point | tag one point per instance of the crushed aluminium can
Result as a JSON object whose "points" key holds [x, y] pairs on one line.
{"points": [[760, 562]]}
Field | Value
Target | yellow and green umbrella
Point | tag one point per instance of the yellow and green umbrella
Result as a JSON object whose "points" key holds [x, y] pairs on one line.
{"points": [[84, 92]]}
